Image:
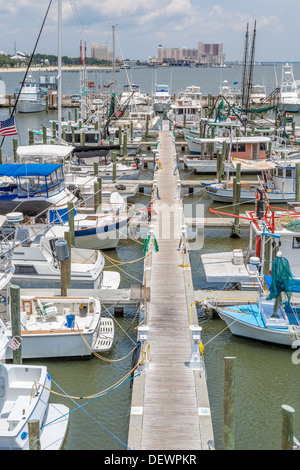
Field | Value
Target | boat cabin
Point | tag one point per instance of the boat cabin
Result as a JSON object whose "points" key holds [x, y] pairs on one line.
{"points": [[31, 180]]}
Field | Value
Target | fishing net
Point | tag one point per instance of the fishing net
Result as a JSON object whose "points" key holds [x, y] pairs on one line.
{"points": [[293, 225], [282, 280]]}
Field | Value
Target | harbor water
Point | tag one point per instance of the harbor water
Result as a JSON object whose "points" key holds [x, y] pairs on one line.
{"points": [[267, 376]]}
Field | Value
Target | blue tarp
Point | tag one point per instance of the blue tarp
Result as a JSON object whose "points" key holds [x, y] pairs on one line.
{"points": [[30, 169]]}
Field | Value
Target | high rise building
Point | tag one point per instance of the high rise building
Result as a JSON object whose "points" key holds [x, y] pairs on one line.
{"points": [[205, 54], [101, 52]]}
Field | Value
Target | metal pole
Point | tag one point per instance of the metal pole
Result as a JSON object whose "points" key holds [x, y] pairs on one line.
{"points": [[59, 78]]}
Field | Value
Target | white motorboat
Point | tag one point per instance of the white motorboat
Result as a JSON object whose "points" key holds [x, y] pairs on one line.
{"points": [[278, 180], [36, 264], [161, 98], [60, 327], [258, 94], [32, 98], [24, 397], [38, 191], [187, 108], [289, 96]]}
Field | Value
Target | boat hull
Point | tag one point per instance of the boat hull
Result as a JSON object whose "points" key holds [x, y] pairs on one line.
{"points": [[31, 106], [240, 328], [225, 195]]}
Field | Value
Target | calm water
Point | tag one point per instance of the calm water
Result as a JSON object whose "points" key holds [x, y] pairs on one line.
{"points": [[265, 375]]}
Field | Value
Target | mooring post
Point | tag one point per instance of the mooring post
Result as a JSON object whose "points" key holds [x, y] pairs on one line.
{"points": [[15, 312], [99, 179], [125, 151], [287, 427], [143, 332], [34, 434], [114, 162], [63, 255], [297, 182], [71, 222], [195, 358], [67, 236], [228, 403]]}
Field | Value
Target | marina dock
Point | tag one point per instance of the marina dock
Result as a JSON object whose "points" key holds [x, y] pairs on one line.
{"points": [[170, 406]]}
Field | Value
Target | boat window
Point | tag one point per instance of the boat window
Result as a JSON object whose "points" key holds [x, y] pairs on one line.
{"points": [[280, 172], [288, 172], [25, 270], [241, 148], [296, 242], [262, 146], [30, 185], [233, 148]]}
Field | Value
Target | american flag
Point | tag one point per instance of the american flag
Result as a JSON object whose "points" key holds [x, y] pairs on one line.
{"points": [[7, 127]]}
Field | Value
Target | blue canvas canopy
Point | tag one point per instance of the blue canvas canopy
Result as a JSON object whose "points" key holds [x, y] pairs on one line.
{"points": [[29, 169]]}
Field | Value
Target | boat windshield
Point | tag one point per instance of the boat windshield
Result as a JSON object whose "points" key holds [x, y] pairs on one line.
{"points": [[30, 186]]}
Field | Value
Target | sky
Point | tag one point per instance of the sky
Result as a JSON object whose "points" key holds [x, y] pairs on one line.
{"points": [[141, 25]]}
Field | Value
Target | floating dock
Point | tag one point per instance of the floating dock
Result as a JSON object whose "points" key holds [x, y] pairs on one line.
{"points": [[170, 405]]}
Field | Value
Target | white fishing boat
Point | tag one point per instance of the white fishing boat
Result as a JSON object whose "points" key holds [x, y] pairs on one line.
{"points": [[272, 319], [289, 96], [24, 397], [32, 98], [161, 98], [249, 150], [277, 179], [187, 108], [230, 92], [258, 94], [272, 229]]}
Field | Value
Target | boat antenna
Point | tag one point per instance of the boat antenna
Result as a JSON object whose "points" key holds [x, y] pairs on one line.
{"points": [[29, 65]]}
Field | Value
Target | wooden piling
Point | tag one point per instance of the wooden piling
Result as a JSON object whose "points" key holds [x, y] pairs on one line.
{"points": [[34, 434], [297, 182], [228, 403], [15, 146], [287, 427], [114, 162], [99, 179], [67, 237], [15, 310], [71, 222]]}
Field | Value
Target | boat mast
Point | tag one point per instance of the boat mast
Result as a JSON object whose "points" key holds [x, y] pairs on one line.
{"points": [[114, 55], [244, 80], [251, 67], [59, 78]]}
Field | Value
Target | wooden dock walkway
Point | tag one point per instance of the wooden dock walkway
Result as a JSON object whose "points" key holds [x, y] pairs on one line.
{"points": [[170, 406]]}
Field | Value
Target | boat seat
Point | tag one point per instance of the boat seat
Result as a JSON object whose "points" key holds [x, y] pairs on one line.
{"points": [[47, 310], [19, 410]]}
